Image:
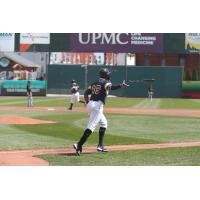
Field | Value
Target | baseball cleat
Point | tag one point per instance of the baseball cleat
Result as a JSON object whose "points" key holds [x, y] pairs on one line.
{"points": [[101, 149], [78, 149]]}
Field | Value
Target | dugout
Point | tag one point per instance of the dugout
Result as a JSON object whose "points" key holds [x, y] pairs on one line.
{"points": [[167, 84]]}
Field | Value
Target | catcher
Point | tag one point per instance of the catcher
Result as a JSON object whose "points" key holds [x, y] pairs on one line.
{"points": [[75, 96]]}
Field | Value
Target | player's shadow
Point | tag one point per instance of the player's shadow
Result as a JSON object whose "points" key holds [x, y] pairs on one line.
{"points": [[73, 154]]}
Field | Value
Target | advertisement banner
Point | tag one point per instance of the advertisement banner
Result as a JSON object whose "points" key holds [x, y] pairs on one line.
{"points": [[18, 88], [192, 42], [117, 42], [7, 42], [34, 42]]}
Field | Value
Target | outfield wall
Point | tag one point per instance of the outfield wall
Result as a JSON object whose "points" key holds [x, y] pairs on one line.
{"points": [[168, 80], [18, 88]]}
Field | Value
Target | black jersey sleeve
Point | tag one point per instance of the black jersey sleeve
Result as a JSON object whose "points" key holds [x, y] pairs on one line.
{"points": [[110, 86], [28, 88], [115, 87]]}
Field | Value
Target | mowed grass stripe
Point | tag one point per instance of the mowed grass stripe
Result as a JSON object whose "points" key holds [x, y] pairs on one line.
{"points": [[118, 102], [151, 157], [179, 104], [24, 101], [64, 101], [12, 138], [195, 100], [147, 103], [152, 128], [122, 129]]}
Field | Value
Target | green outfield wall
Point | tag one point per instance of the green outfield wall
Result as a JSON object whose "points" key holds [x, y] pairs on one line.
{"points": [[168, 80], [60, 76], [18, 88]]}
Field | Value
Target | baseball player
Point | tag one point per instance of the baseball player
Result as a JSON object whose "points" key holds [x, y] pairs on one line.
{"points": [[75, 96], [29, 94], [150, 93], [98, 91]]}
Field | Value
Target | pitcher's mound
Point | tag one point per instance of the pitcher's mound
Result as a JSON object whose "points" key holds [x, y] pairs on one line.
{"points": [[21, 120]]}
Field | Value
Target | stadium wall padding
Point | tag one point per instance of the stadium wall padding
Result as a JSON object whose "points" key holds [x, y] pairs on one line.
{"points": [[168, 80], [60, 77], [18, 88]]}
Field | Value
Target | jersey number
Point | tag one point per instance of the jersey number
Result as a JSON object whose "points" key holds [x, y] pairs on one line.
{"points": [[96, 89]]}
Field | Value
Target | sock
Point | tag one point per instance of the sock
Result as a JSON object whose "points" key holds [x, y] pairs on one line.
{"points": [[85, 136], [101, 135], [71, 105]]}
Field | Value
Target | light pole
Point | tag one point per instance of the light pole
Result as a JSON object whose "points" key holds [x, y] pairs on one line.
{"points": [[86, 74]]}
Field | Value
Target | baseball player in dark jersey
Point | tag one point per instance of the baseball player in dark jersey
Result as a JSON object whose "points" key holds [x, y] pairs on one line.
{"points": [[29, 94], [98, 92]]}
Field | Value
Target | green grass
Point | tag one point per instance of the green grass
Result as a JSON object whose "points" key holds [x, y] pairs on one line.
{"points": [[111, 102], [63, 101], [180, 103], [152, 157], [157, 128], [123, 129], [67, 130], [12, 138], [37, 101], [123, 102]]}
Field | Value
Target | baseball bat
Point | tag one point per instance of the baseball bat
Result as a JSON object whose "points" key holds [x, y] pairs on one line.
{"points": [[141, 81]]}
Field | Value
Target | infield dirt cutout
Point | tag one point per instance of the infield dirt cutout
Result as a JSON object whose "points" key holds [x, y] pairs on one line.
{"points": [[21, 120], [27, 157]]}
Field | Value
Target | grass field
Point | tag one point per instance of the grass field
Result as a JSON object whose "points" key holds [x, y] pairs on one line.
{"points": [[112, 102], [154, 157], [123, 129]]}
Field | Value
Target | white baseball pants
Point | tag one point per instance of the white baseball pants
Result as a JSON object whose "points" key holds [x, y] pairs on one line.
{"points": [[75, 97], [95, 109], [29, 100]]}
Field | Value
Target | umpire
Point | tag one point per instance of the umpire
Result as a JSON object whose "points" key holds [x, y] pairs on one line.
{"points": [[29, 94]]}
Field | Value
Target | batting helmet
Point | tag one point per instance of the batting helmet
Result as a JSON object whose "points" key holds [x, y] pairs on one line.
{"points": [[104, 73], [73, 81]]}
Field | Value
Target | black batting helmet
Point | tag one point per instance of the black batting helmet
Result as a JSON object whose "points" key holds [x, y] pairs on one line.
{"points": [[104, 73], [73, 81]]}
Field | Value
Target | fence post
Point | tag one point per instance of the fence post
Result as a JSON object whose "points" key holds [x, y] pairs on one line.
{"points": [[86, 75]]}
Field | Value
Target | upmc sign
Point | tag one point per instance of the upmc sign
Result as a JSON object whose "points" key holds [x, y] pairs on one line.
{"points": [[117, 42]]}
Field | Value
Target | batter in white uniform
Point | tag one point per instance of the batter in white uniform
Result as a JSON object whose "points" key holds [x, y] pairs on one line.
{"points": [[98, 91]]}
